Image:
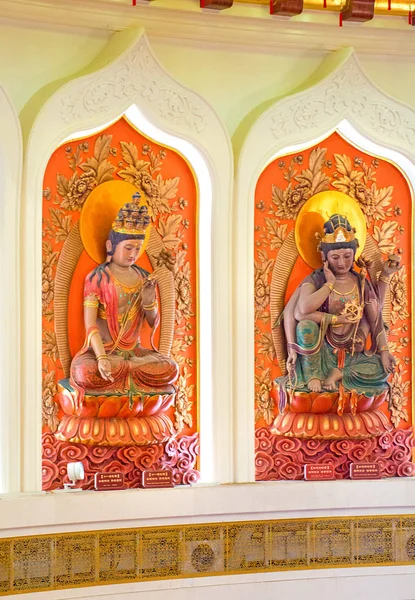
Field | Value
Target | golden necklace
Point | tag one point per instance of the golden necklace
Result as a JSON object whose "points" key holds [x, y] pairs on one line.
{"points": [[345, 296], [128, 291]]}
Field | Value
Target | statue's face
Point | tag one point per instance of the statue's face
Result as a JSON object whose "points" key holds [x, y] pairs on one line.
{"points": [[340, 261], [126, 252]]}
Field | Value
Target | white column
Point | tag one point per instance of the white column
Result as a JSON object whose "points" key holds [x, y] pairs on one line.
{"points": [[10, 186]]}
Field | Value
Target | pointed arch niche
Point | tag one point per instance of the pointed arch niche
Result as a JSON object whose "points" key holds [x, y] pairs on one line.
{"points": [[344, 101], [10, 187], [137, 90]]}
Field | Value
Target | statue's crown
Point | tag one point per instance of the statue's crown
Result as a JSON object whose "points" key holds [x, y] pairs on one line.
{"points": [[339, 234], [132, 218]]}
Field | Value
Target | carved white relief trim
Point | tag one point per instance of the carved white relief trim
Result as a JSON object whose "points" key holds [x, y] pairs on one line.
{"points": [[10, 188], [133, 79], [348, 96], [138, 73]]}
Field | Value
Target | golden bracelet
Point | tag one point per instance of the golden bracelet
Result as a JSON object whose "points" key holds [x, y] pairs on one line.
{"points": [[330, 286], [333, 320], [101, 357], [91, 303], [150, 306], [384, 279], [384, 349]]}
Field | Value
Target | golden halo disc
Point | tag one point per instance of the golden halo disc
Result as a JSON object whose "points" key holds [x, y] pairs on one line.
{"points": [[316, 211], [99, 213]]}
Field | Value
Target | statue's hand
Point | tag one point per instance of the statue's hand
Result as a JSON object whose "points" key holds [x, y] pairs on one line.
{"points": [[388, 361], [344, 319], [104, 368], [291, 360], [328, 273], [148, 292], [391, 266]]}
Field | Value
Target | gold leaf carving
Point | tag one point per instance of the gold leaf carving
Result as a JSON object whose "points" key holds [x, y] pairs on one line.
{"points": [[168, 188], [50, 347], [183, 293], [383, 235], [310, 181], [360, 183], [168, 229], [49, 260], [264, 401], [183, 403], [266, 345], [62, 224], [399, 396], [49, 407], [399, 296], [276, 231], [129, 152], [102, 147]]}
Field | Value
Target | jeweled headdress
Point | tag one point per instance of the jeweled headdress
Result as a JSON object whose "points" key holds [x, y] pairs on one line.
{"points": [[132, 218], [337, 231], [329, 220]]}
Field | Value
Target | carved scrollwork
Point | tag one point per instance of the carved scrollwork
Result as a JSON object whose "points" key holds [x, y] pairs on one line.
{"points": [[347, 93], [140, 74]]}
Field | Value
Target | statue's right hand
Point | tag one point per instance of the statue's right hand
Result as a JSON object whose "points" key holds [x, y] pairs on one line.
{"points": [[328, 273], [291, 360], [343, 320], [104, 368]]}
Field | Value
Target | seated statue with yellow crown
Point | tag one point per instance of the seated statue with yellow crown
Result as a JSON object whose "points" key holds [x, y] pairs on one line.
{"points": [[338, 360], [118, 388]]}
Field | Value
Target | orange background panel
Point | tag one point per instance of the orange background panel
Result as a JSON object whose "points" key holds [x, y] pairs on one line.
{"points": [[172, 166], [399, 210]]}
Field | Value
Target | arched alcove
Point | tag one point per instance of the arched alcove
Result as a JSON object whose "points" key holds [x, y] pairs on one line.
{"points": [[135, 85], [345, 100]]}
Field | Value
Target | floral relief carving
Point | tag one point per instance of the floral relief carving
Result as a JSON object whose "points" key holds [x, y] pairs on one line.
{"points": [[399, 296], [399, 395], [183, 401], [347, 92], [138, 73], [359, 182], [49, 407], [263, 397], [301, 186], [49, 261]]}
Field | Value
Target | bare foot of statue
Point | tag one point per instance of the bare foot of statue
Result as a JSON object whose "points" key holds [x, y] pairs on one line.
{"points": [[314, 385], [334, 376]]}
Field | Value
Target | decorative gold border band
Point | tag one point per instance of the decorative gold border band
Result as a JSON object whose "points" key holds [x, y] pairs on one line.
{"points": [[67, 560]]}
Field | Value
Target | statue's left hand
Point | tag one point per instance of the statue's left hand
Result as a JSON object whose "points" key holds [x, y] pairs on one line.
{"points": [[388, 361], [391, 265], [148, 292]]}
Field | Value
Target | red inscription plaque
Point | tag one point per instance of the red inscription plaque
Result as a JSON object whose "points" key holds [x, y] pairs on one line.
{"points": [[365, 471], [109, 481], [319, 472], [158, 479]]}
